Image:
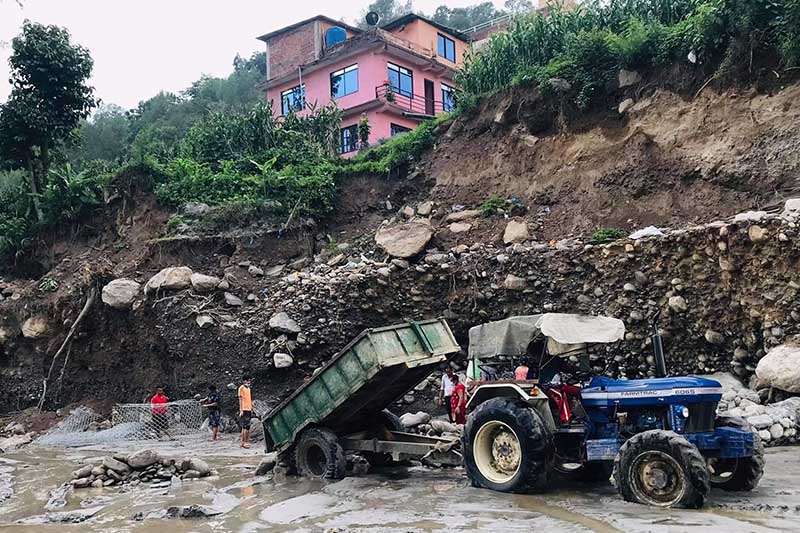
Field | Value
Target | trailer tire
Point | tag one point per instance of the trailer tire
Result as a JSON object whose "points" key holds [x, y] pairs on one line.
{"points": [[318, 454], [511, 431], [387, 420], [742, 473], [663, 469]]}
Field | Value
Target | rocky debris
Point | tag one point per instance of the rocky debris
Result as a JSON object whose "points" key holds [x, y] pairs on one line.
{"points": [[404, 240], [274, 271], [63, 517], [283, 323], [282, 360], [191, 511], [170, 279], [407, 211], [424, 209], [626, 78], [15, 428], [15, 442], [255, 271], [120, 293], [203, 283], [143, 466], [35, 327], [267, 464], [780, 368], [516, 232], [515, 283], [678, 304], [714, 337], [196, 209], [625, 105], [460, 216]]}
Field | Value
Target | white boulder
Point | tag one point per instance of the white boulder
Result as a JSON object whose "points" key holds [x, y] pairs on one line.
{"points": [[171, 278], [780, 368], [404, 240], [515, 232], [120, 293]]}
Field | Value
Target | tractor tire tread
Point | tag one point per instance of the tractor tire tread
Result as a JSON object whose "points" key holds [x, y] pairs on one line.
{"points": [[326, 440], [749, 469]]}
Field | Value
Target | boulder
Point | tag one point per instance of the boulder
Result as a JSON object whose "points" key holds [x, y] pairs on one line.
{"points": [[625, 105], [267, 464], [117, 466], [35, 327], [713, 337], [81, 482], [203, 283], [410, 420], [678, 304], [460, 227], [233, 300], [120, 293], [780, 368], [516, 231], [515, 283], [200, 466], [204, 321], [458, 216], [143, 459], [282, 360], [626, 78], [196, 209], [84, 471], [283, 323], [171, 278], [757, 233], [760, 421], [255, 271], [404, 240], [424, 209]]}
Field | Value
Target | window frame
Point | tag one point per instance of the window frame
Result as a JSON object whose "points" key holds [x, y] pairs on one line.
{"points": [[441, 45], [393, 126], [447, 89], [341, 73], [284, 109], [353, 145], [400, 72]]}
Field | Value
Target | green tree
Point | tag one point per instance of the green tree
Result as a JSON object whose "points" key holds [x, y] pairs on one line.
{"points": [[106, 135], [388, 10], [49, 98], [516, 7], [465, 17]]}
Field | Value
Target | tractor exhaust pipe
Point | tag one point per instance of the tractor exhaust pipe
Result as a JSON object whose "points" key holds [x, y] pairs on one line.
{"points": [[658, 348]]}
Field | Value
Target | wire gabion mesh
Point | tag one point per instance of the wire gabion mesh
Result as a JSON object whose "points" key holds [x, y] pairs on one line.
{"points": [[130, 422]]}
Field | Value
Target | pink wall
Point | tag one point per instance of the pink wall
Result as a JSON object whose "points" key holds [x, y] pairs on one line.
{"points": [[426, 35], [372, 72]]}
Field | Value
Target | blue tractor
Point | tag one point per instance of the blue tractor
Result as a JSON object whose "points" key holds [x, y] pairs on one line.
{"points": [[660, 440]]}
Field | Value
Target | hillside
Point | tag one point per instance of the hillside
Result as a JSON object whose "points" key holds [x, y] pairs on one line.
{"points": [[729, 289]]}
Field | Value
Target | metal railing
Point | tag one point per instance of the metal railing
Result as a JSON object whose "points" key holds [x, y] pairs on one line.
{"points": [[412, 103], [488, 24]]}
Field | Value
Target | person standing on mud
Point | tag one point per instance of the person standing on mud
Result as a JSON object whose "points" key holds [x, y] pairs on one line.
{"points": [[446, 391], [245, 410], [459, 402], [159, 410], [212, 403]]}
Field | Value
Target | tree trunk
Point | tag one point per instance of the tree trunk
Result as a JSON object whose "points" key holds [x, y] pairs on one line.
{"points": [[34, 188]]}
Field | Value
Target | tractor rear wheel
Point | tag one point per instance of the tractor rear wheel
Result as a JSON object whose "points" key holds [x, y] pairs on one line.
{"points": [[738, 473], [318, 454], [507, 447], [663, 469]]}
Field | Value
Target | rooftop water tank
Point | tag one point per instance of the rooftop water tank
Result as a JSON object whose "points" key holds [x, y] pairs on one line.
{"points": [[334, 36]]}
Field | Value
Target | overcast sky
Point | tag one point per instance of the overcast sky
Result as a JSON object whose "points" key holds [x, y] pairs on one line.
{"points": [[143, 46]]}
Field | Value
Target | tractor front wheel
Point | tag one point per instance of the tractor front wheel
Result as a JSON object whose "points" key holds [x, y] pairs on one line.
{"points": [[507, 447], [739, 473], [663, 469]]}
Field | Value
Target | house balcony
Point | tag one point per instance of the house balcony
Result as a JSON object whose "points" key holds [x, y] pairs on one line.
{"points": [[412, 106]]}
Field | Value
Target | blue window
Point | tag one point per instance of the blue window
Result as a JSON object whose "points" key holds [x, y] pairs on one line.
{"points": [[448, 98], [348, 139], [293, 100], [446, 47], [402, 80], [344, 81]]}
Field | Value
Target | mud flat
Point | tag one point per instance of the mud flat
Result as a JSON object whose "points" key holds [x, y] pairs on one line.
{"points": [[392, 500]]}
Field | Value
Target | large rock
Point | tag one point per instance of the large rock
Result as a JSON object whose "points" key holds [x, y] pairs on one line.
{"points": [[458, 216], [120, 293], [410, 420], [200, 466], [282, 360], [117, 466], [143, 459], [35, 327], [170, 279], [203, 283], [780, 368], [627, 78], [267, 464], [516, 231], [283, 323], [515, 283], [404, 240]]}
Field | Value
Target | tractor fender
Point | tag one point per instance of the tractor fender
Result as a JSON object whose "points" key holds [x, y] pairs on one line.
{"points": [[539, 401]]}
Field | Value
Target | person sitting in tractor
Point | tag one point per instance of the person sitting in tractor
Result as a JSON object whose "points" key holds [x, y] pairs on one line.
{"points": [[551, 383]]}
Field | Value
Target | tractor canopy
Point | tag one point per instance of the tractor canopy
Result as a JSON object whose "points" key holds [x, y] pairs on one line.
{"points": [[512, 335]]}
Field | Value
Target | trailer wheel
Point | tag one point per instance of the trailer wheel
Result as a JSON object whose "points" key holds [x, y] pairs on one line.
{"points": [[387, 421], [507, 447], [591, 472], [663, 469], [738, 473], [319, 455]]}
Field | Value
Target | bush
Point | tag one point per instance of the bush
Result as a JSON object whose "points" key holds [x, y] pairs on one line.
{"points": [[491, 206], [608, 234]]}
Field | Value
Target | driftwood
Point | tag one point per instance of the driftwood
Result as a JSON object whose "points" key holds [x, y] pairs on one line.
{"points": [[91, 295]]}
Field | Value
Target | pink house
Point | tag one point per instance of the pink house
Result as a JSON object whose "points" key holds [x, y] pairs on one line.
{"points": [[397, 75]]}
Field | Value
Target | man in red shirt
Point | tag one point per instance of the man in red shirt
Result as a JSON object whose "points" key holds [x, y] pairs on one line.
{"points": [[159, 410]]}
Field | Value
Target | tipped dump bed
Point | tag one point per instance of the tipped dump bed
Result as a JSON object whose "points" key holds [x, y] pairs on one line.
{"points": [[351, 390]]}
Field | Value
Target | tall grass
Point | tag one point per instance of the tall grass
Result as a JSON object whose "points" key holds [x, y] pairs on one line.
{"points": [[588, 44]]}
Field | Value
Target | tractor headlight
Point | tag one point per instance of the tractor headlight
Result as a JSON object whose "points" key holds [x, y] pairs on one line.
{"points": [[685, 412]]}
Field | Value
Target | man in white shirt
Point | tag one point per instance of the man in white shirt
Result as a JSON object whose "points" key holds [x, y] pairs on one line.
{"points": [[446, 391]]}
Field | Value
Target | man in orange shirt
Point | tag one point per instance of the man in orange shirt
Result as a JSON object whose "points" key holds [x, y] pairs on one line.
{"points": [[245, 410], [159, 410]]}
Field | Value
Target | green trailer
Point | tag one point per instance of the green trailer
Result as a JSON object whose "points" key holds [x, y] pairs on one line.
{"points": [[342, 407]]}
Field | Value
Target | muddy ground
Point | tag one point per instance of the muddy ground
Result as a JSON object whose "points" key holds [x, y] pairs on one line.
{"points": [[402, 499]]}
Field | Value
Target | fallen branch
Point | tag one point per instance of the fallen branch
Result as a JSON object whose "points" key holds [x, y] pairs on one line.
{"points": [[90, 298]]}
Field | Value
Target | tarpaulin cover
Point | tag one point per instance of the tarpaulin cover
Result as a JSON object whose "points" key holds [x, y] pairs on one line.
{"points": [[512, 335]]}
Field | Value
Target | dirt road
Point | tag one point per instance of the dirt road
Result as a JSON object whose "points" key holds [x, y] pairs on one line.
{"points": [[398, 499]]}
